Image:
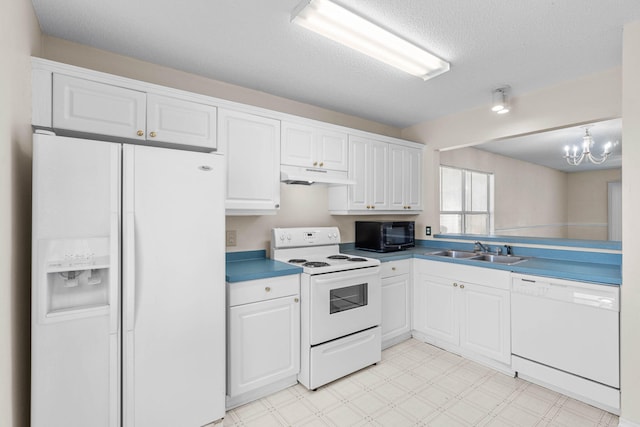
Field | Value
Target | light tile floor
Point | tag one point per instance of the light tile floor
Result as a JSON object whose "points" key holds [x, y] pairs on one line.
{"points": [[417, 384]]}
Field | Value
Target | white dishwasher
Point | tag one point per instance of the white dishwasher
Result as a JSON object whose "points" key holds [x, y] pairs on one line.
{"points": [[565, 334]]}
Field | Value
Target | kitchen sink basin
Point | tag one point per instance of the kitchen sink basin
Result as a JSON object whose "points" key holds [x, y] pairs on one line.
{"points": [[454, 254], [499, 259]]}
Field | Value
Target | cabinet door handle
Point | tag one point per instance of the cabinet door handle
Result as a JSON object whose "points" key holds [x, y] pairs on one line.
{"points": [[140, 133], [267, 289], [152, 134], [455, 285], [461, 286], [393, 269], [296, 300]]}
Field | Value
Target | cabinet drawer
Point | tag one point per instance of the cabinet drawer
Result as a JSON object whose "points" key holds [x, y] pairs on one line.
{"points": [[394, 268], [263, 289]]}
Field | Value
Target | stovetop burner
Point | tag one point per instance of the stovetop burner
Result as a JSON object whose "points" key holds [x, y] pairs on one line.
{"points": [[315, 264], [337, 257], [297, 261], [355, 259]]}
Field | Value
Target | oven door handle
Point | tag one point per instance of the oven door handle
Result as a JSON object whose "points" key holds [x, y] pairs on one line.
{"points": [[344, 276]]}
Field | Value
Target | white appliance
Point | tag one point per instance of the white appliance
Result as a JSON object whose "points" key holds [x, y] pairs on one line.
{"points": [[128, 324], [340, 298], [565, 335]]}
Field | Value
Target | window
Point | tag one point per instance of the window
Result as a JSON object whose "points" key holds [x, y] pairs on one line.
{"points": [[466, 201]]}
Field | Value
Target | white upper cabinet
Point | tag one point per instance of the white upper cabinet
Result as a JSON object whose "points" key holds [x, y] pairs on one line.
{"points": [[368, 167], [387, 172], [387, 175], [405, 178], [90, 107], [308, 146], [180, 122], [251, 145]]}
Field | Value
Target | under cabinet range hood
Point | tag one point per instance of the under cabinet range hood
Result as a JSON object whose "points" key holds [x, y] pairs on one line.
{"points": [[308, 176]]}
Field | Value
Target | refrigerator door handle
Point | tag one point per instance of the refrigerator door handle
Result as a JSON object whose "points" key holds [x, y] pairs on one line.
{"points": [[130, 271], [114, 275]]}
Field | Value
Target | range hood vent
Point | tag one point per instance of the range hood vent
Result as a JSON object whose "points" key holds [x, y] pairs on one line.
{"points": [[307, 176]]}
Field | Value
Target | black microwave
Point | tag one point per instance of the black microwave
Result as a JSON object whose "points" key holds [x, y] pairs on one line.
{"points": [[385, 236]]}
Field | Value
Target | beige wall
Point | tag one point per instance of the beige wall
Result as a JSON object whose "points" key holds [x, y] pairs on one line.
{"points": [[588, 99], [630, 311], [588, 201], [536, 201], [300, 205], [84, 56], [530, 200], [565, 104], [19, 38]]}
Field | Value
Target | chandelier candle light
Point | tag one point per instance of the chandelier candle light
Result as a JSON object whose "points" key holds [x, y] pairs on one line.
{"points": [[573, 158]]}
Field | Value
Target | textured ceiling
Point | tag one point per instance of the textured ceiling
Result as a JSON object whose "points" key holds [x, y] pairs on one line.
{"points": [[547, 148], [526, 44]]}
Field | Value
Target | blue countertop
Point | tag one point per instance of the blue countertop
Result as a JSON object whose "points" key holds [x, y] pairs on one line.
{"points": [[569, 269], [252, 265], [591, 267]]}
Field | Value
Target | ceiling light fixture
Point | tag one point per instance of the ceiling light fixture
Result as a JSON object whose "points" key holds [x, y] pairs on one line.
{"points": [[345, 27], [573, 158], [500, 102]]}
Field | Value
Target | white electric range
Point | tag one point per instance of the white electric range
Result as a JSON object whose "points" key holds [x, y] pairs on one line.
{"points": [[340, 300]]}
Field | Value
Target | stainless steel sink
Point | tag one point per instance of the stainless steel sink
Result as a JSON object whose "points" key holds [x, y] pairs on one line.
{"points": [[499, 259], [453, 254]]}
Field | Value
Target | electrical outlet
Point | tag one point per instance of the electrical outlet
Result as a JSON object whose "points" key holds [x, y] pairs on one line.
{"points": [[232, 238], [427, 230]]}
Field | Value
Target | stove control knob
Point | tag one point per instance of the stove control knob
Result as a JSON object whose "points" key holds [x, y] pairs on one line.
{"points": [[288, 236], [335, 235], [282, 237]]}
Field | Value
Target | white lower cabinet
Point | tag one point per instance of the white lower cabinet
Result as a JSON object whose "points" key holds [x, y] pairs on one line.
{"points": [[463, 309], [395, 277], [263, 337]]}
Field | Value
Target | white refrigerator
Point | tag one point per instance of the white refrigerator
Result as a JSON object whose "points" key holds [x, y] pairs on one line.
{"points": [[128, 323]]}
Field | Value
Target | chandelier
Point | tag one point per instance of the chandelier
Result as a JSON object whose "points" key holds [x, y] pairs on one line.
{"points": [[574, 158]]}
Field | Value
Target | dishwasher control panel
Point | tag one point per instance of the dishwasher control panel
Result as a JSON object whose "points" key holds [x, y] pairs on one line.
{"points": [[589, 294]]}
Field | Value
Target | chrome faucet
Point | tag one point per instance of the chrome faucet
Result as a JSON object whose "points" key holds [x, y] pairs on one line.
{"points": [[484, 248]]}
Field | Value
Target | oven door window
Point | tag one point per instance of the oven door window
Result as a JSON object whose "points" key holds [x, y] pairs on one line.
{"points": [[347, 298]]}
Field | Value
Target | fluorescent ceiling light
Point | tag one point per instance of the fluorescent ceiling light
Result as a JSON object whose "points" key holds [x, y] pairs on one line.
{"points": [[345, 27]]}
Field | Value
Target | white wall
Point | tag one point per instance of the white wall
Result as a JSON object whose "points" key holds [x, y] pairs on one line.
{"points": [[630, 317], [19, 38]]}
